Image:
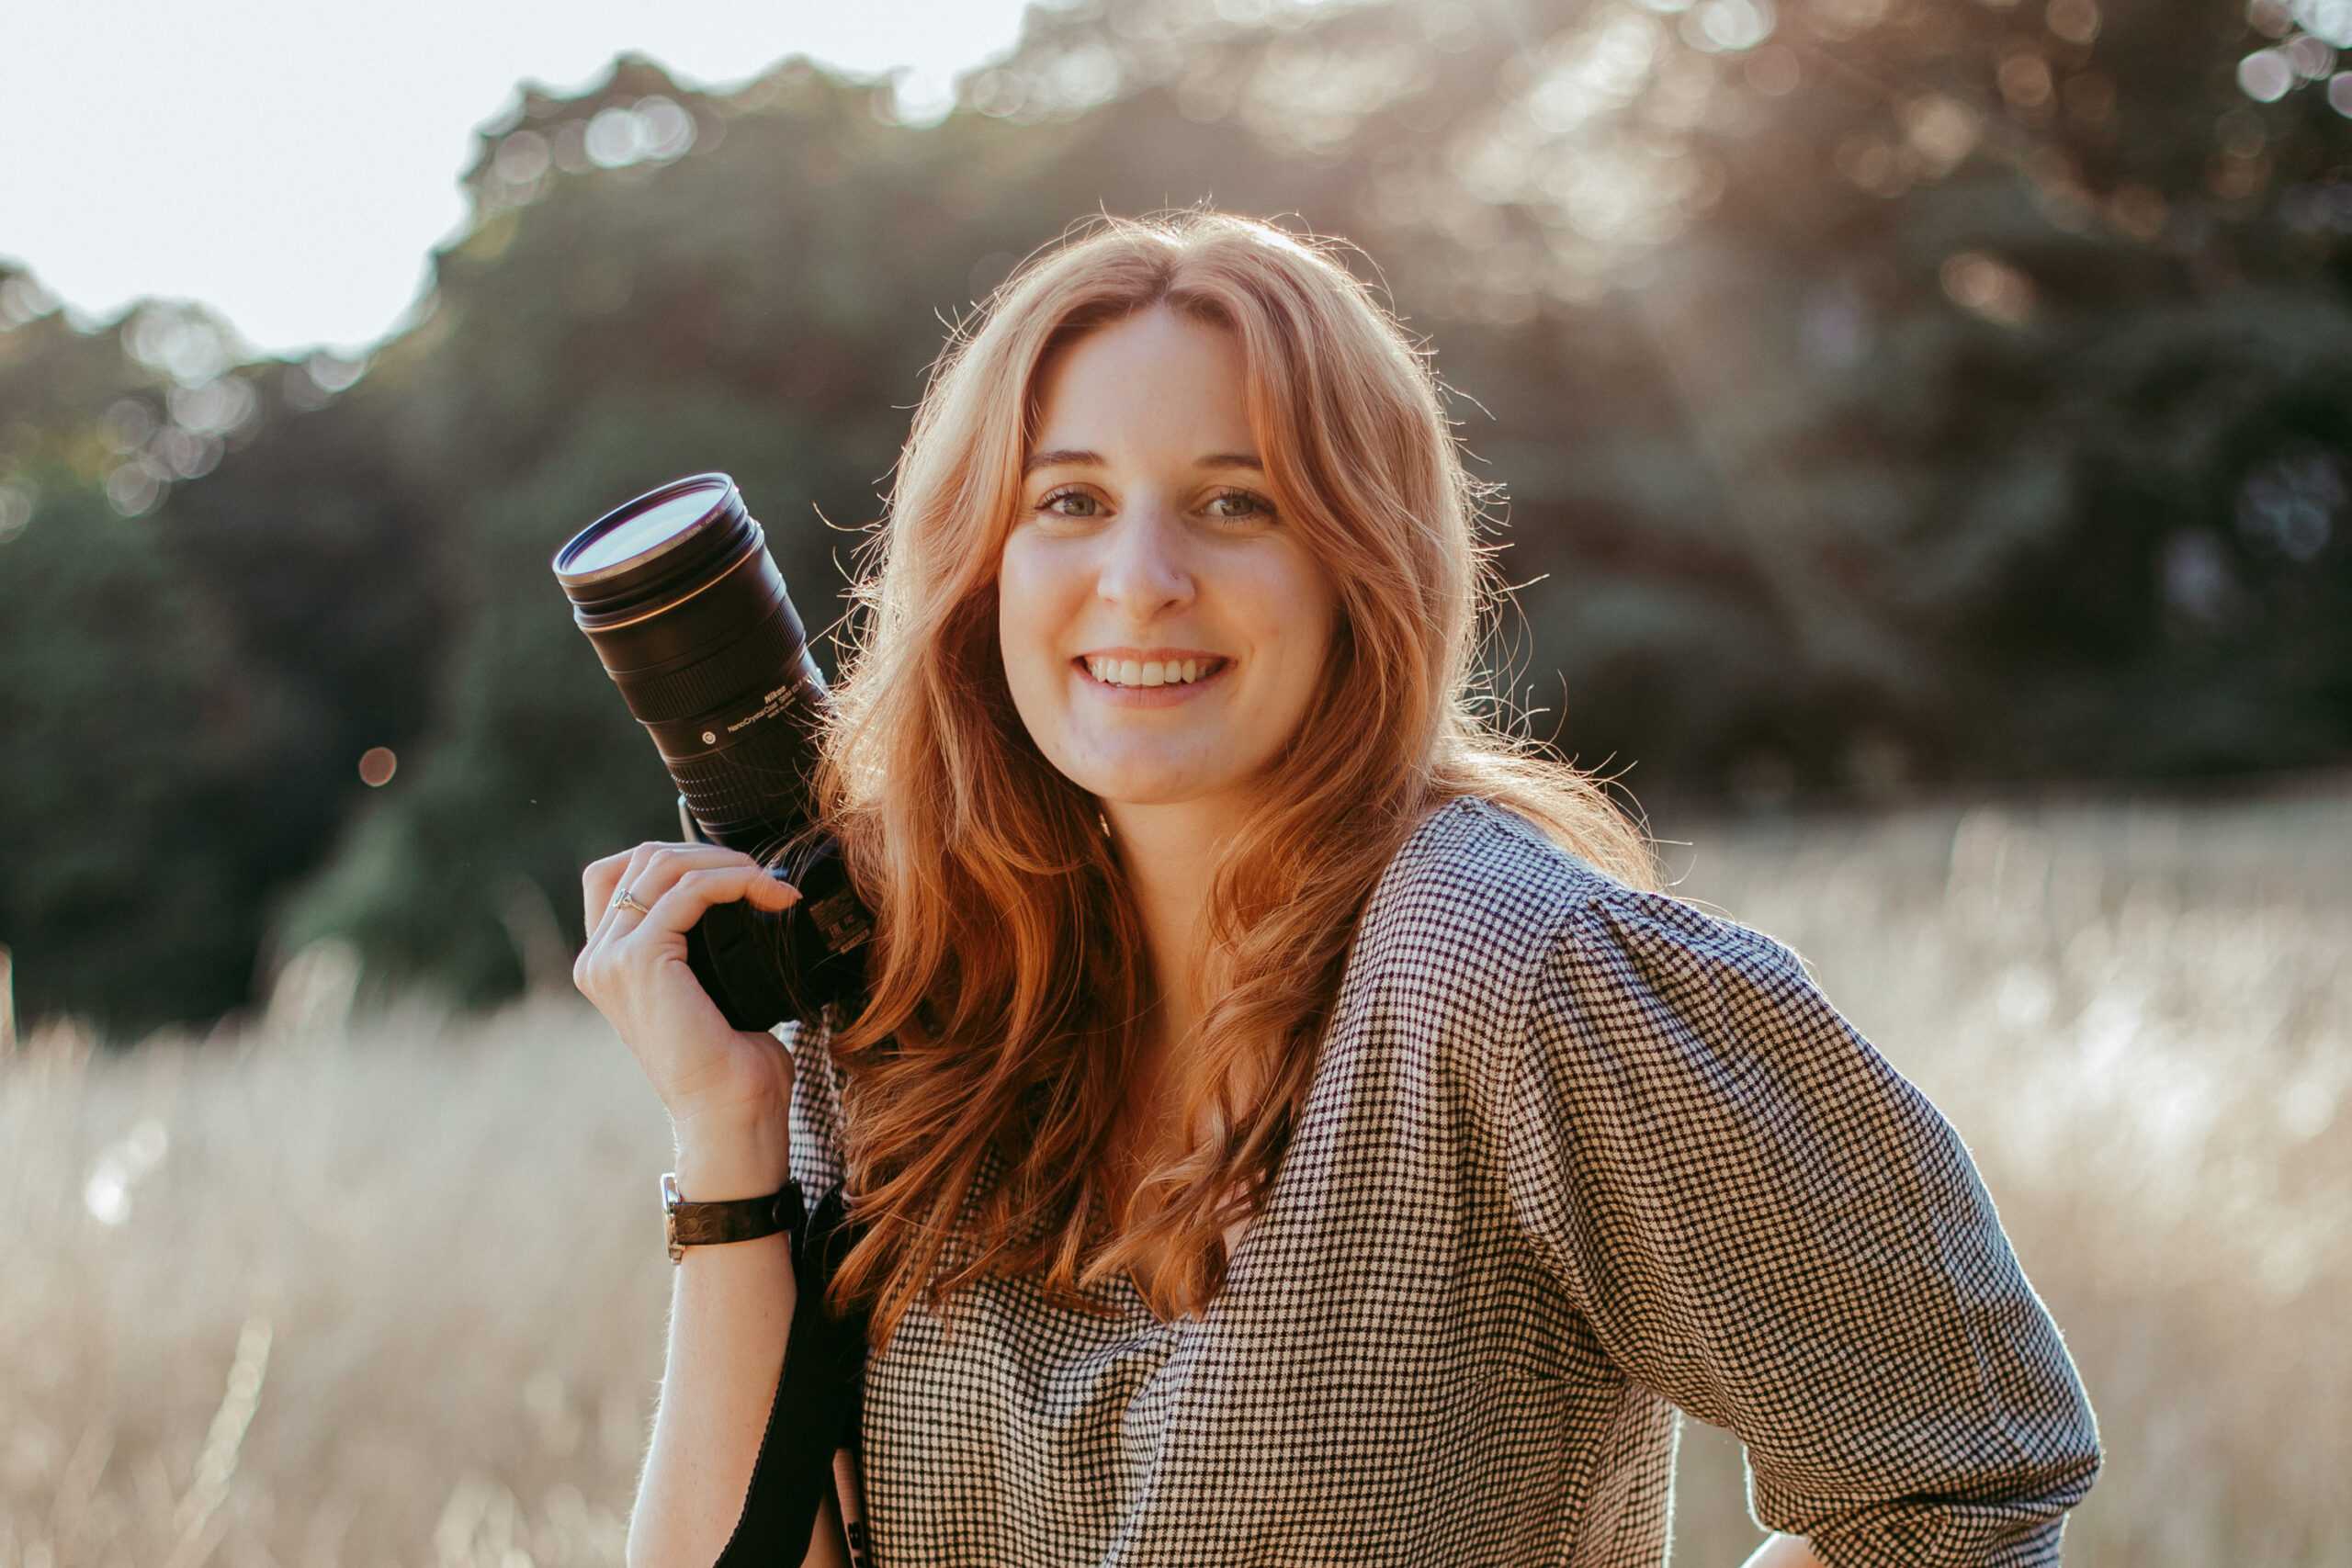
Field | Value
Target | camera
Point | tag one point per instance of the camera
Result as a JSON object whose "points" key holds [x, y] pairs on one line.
{"points": [[683, 605]]}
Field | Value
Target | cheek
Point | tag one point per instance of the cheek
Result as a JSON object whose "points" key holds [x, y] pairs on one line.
{"points": [[1030, 615], [1299, 604]]}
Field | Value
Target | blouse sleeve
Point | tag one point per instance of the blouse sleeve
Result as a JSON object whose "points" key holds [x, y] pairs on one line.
{"points": [[1766, 1224]]}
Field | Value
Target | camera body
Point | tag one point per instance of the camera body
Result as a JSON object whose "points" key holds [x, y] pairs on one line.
{"points": [[679, 596]]}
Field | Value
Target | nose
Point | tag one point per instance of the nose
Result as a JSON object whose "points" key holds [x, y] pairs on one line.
{"points": [[1144, 575]]}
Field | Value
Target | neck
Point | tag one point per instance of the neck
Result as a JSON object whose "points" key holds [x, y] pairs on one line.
{"points": [[1169, 854]]}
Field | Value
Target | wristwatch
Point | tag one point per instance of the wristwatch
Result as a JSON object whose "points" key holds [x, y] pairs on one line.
{"points": [[739, 1219]]}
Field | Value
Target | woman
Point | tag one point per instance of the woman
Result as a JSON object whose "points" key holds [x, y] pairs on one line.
{"points": [[1286, 1129]]}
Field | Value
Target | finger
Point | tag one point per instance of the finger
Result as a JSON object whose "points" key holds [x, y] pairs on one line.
{"points": [[665, 864], [597, 881], [609, 917], [609, 921], [612, 919], [692, 894], [597, 885]]}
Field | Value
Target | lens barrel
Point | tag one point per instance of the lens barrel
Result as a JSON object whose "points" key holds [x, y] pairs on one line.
{"points": [[683, 605]]}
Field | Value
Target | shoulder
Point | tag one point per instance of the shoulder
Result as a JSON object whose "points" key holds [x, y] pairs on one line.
{"points": [[1647, 1013], [1476, 879], [1474, 868], [1482, 900], [1469, 912]]}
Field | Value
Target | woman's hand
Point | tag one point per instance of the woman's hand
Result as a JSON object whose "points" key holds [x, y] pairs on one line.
{"points": [[728, 1091]]}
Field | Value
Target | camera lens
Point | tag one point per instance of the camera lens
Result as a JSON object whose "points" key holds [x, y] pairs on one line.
{"points": [[684, 606], [678, 594]]}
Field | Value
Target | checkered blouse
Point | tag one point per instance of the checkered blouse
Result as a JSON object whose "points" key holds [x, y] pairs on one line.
{"points": [[1575, 1156]]}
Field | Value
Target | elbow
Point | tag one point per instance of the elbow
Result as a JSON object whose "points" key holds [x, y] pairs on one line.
{"points": [[2052, 1470], [2005, 1510], [2057, 1458], [2068, 1476], [2012, 1518]]}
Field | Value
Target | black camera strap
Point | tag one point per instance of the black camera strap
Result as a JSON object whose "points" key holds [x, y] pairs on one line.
{"points": [[815, 1414]]}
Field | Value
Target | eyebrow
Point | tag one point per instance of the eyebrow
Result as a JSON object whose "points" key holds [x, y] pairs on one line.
{"points": [[1073, 457]]}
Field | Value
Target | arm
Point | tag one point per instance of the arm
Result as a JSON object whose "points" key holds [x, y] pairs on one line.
{"points": [[1783, 1551], [1762, 1222], [730, 1316], [728, 1094]]}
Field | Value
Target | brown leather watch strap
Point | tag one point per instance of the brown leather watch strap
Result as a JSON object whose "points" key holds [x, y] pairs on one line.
{"points": [[737, 1219]]}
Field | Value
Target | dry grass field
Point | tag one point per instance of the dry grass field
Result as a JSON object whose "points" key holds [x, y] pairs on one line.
{"points": [[2139, 1018], [390, 1291]]}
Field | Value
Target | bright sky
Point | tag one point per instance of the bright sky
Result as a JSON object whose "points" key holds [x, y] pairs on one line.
{"points": [[291, 162]]}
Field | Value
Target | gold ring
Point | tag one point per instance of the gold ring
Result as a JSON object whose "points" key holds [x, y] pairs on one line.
{"points": [[624, 900]]}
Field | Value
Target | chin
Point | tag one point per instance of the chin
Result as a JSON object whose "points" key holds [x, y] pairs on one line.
{"points": [[1146, 784], [1127, 791]]}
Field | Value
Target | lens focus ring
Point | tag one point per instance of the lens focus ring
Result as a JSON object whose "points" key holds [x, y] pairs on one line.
{"points": [[733, 675], [733, 792]]}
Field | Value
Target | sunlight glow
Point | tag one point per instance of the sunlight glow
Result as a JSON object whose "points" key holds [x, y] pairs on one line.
{"points": [[302, 206]]}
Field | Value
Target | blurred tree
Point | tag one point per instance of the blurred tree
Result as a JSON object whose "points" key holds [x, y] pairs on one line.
{"points": [[1883, 390], [125, 894], [124, 730]]}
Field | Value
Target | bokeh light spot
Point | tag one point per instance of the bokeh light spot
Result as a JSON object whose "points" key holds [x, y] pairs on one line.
{"points": [[127, 426], [119, 1168], [17, 497], [376, 765], [183, 341], [2328, 19], [2291, 502], [2024, 78], [1942, 130], [653, 129], [2077, 21], [612, 138], [134, 488], [1728, 25], [22, 299], [1984, 287], [221, 407], [522, 157], [2266, 75], [2196, 574], [2312, 58]]}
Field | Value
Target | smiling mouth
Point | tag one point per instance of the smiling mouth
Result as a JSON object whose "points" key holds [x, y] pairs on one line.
{"points": [[1135, 673]]}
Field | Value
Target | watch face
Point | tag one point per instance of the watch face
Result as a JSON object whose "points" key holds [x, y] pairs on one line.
{"points": [[669, 1202]]}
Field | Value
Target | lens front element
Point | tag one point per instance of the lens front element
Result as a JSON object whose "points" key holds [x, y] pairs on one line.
{"points": [[629, 536]]}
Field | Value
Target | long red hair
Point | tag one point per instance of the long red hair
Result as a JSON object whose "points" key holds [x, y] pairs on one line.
{"points": [[988, 1068]]}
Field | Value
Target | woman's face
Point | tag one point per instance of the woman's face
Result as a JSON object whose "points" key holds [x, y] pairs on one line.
{"points": [[1163, 629]]}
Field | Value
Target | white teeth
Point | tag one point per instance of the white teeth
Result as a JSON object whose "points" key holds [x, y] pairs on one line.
{"points": [[1155, 673]]}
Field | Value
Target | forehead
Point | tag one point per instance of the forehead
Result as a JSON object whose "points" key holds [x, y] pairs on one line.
{"points": [[1156, 380]]}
